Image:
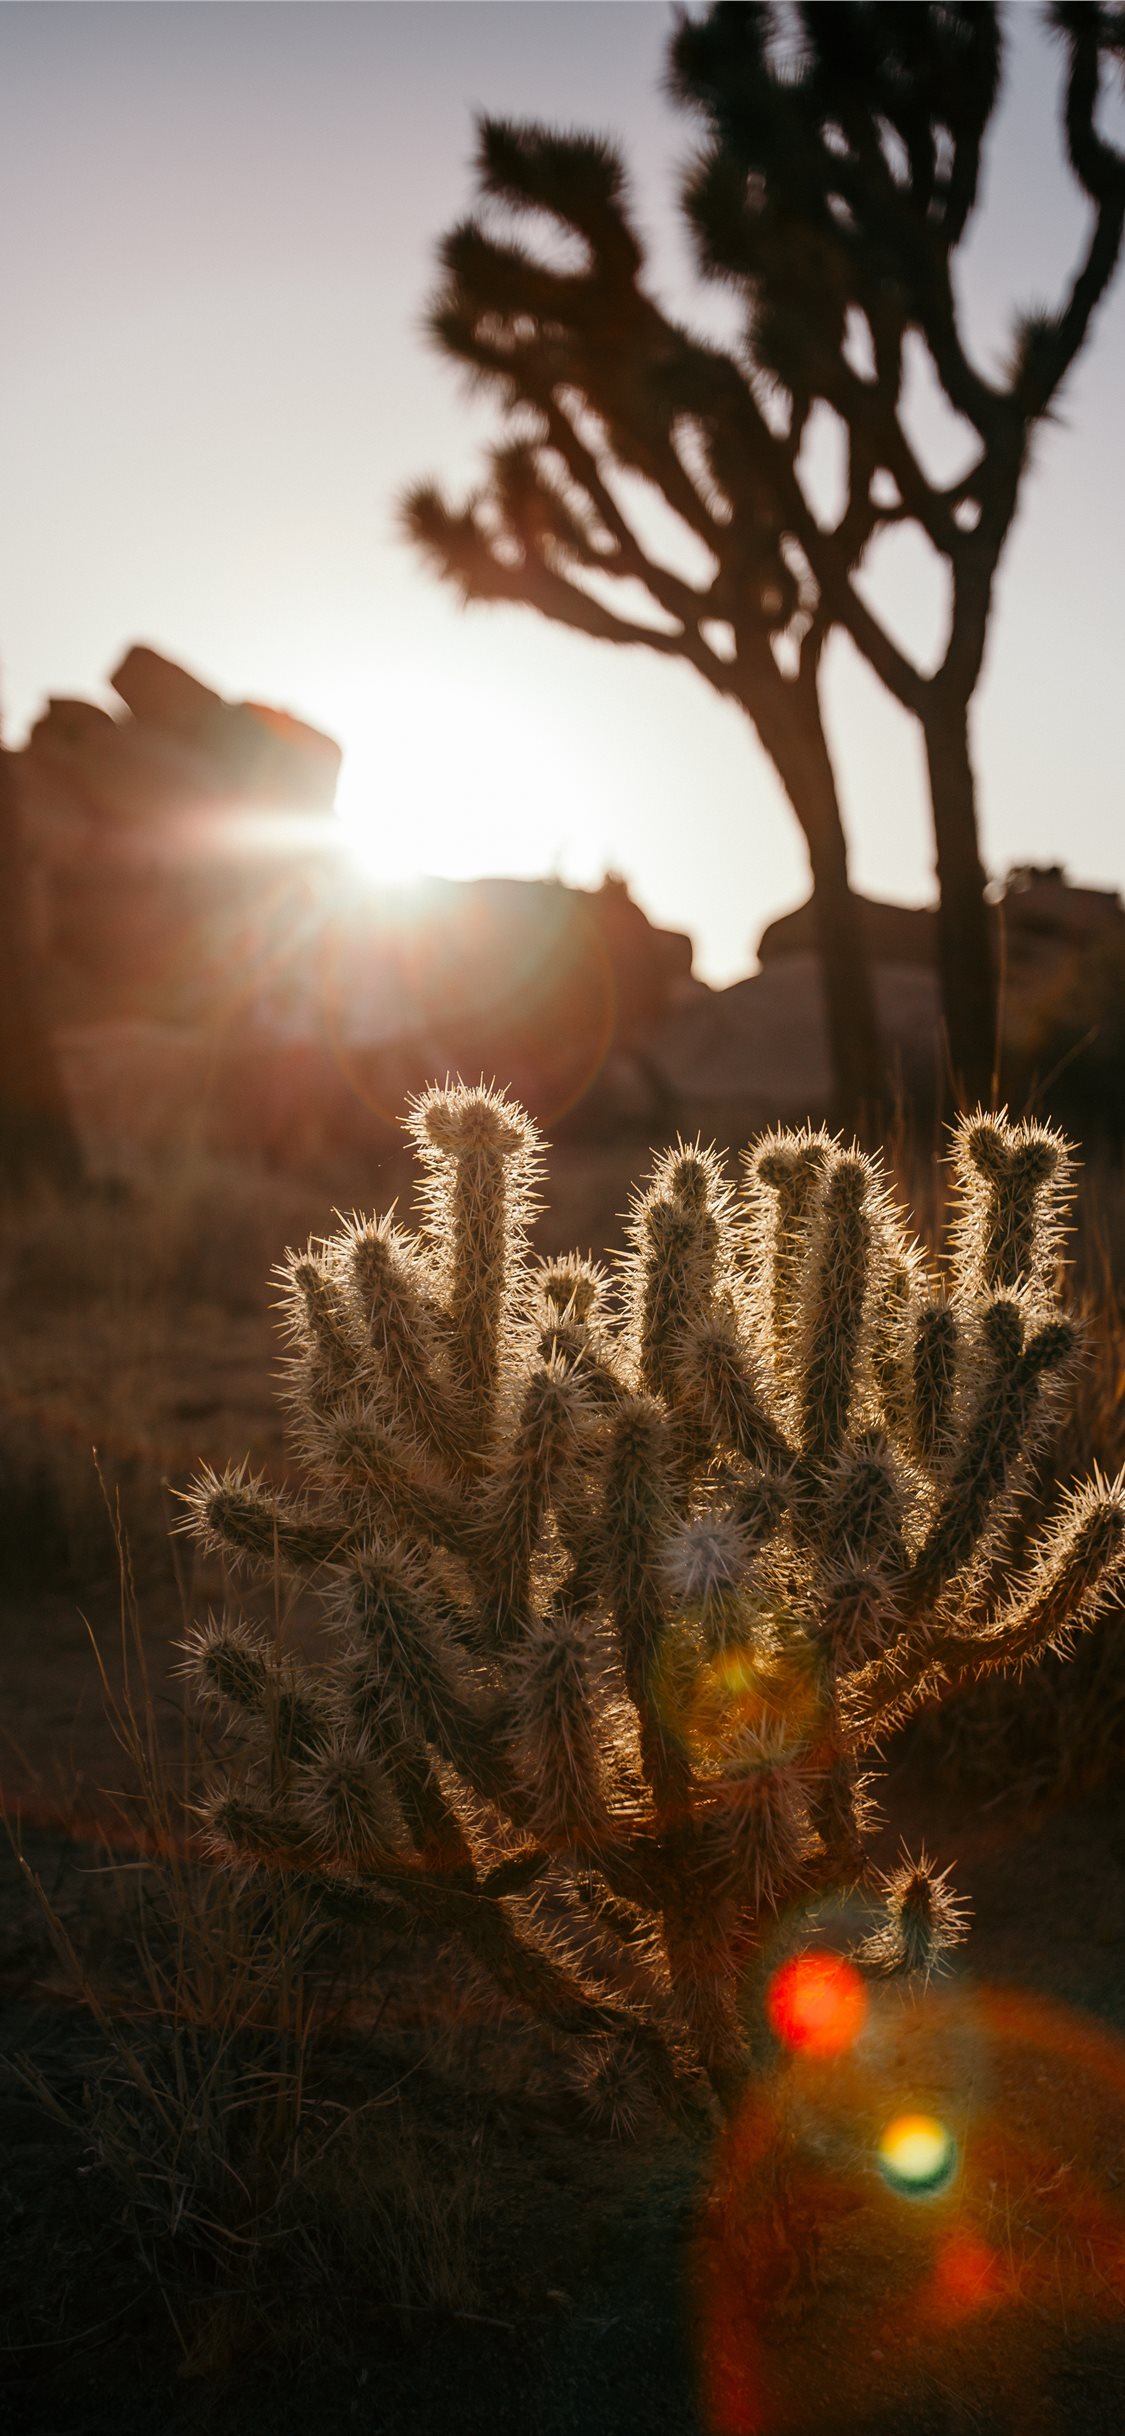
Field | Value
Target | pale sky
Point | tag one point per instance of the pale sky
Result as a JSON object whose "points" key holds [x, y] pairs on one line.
{"points": [[218, 226]]}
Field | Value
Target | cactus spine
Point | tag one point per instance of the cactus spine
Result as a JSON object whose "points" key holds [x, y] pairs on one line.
{"points": [[625, 1582]]}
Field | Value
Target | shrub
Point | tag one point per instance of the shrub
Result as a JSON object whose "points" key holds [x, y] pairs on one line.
{"points": [[626, 1582]]}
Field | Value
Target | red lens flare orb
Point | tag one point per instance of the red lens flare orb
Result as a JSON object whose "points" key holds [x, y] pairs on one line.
{"points": [[968, 2276], [817, 2003]]}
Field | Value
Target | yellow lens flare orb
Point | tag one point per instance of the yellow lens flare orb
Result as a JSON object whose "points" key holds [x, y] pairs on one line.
{"points": [[917, 2154]]}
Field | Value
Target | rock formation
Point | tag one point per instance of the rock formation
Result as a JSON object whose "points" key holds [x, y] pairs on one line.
{"points": [[756, 1053], [189, 880], [195, 914]]}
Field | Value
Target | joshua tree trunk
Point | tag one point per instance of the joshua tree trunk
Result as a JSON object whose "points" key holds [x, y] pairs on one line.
{"points": [[965, 952], [859, 1081], [37, 1137]]}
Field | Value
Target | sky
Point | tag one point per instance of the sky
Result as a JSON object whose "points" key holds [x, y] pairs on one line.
{"points": [[218, 233]]}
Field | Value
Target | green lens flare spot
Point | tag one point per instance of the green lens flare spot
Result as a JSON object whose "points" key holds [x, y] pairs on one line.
{"points": [[917, 2154]]}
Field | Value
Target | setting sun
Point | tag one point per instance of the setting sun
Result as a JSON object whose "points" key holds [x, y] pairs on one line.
{"points": [[451, 781]]}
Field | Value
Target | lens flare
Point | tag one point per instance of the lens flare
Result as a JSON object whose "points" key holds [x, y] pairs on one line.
{"points": [[968, 2277], [927, 2278], [917, 2154], [817, 2003]]}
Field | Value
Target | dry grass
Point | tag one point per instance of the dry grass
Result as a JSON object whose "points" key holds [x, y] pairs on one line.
{"points": [[268, 2159]]}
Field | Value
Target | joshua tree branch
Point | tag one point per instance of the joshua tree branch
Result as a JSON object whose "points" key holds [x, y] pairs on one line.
{"points": [[465, 552], [679, 599], [1060, 341], [846, 608]]}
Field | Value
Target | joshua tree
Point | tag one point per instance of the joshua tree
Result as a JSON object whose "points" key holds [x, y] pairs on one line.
{"points": [[37, 1137], [597, 385], [624, 1587], [837, 184]]}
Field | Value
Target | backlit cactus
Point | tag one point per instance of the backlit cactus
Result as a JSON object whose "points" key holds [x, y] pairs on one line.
{"points": [[626, 1578]]}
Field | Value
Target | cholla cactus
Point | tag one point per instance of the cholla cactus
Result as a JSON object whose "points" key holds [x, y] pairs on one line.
{"points": [[626, 1581]]}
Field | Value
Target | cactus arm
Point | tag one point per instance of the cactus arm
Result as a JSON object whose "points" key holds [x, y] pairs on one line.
{"points": [[517, 1871], [561, 1338], [1013, 1183], [933, 1381], [387, 1482], [680, 1258], [524, 1969], [835, 1810], [1076, 1571], [399, 1321], [636, 1508], [327, 1352], [573, 1293], [236, 1668], [555, 1733], [890, 1321], [833, 1308], [998, 1435], [404, 1662], [922, 1920], [667, 1299], [715, 1371], [552, 1427], [245, 1519], [437, 1832], [480, 1154], [784, 1177]]}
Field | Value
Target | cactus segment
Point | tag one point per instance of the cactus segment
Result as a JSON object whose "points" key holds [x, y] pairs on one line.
{"points": [[923, 1920]]}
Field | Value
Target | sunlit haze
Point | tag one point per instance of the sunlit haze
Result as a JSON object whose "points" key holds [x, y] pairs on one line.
{"points": [[217, 237]]}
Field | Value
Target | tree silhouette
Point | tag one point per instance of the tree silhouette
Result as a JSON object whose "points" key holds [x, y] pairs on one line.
{"points": [[599, 387], [837, 183]]}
